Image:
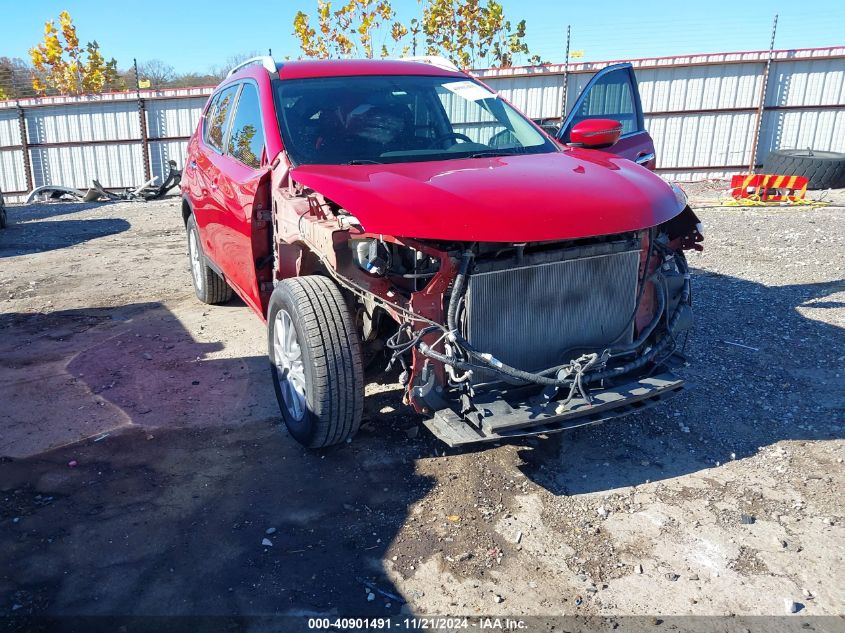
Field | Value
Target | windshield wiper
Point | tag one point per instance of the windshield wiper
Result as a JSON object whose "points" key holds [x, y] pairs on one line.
{"points": [[495, 152], [363, 161]]}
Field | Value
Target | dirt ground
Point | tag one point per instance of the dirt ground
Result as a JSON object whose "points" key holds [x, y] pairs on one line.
{"points": [[143, 461]]}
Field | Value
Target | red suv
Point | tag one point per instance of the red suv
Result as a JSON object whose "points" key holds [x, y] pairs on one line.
{"points": [[400, 214]]}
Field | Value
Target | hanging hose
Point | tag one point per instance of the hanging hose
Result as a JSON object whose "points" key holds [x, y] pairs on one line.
{"points": [[660, 345], [458, 289]]}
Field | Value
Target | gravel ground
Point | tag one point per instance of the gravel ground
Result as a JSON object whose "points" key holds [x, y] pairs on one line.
{"points": [[144, 465]]}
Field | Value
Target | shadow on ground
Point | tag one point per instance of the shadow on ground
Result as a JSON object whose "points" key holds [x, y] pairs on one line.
{"points": [[182, 468], [37, 236], [181, 471], [44, 210], [786, 384]]}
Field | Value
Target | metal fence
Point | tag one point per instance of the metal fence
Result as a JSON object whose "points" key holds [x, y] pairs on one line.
{"points": [[701, 110], [123, 139]]}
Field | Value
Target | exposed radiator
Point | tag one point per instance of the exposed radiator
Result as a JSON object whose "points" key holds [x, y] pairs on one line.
{"points": [[540, 315]]}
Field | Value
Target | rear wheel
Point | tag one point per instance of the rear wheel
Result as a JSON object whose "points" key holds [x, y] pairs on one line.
{"points": [[209, 286], [315, 359]]}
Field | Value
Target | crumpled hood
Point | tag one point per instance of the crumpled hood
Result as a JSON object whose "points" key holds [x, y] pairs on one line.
{"points": [[525, 198]]}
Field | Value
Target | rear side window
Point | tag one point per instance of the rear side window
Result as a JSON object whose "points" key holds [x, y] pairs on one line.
{"points": [[246, 140], [217, 117], [611, 97]]}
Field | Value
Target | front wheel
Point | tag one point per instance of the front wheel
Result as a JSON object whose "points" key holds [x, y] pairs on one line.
{"points": [[315, 359]]}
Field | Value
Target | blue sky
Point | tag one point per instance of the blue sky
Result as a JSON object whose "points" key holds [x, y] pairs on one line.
{"points": [[193, 35]]}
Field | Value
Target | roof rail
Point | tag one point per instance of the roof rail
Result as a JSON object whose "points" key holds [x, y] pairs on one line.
{"points": [[432, 60], [265, 60]]}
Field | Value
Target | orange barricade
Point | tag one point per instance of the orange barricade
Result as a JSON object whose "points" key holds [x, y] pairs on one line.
{"points": [[768, 188]]}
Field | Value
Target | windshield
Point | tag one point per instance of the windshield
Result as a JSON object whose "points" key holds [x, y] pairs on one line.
{"points": [[398, 118]]}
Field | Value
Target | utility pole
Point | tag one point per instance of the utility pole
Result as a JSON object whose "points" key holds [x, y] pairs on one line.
{"points": [[761, 106], [565, 75]]}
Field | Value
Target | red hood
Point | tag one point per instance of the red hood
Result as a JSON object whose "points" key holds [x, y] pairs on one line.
{"points": [[526, 198]]}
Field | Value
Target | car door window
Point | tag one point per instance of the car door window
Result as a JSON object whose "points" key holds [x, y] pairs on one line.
{"points": [[611, 96], [217, 117], [246, 139]]}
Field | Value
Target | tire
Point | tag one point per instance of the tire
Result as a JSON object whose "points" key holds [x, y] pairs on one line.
{"points": [[824, 170], [210, 287], [322, 399]]}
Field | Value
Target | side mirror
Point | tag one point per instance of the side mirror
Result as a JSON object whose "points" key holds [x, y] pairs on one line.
{"points": [[595, 133]]}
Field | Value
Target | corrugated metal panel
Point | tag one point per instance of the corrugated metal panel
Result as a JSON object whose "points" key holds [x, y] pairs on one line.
{"points": [[541, 98], [699, 87], [10, 131], [12, 177], [108, 97], [167, 118], [801, 129], [807, 83], [88, 122], [699, 140], [706, 174], [113, 165], [704, 138], [719, 59]]}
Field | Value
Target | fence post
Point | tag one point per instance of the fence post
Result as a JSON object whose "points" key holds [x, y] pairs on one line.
{"points": [[565, 78], [142, 120], [27, 161], [145, 141], [761, 106]]}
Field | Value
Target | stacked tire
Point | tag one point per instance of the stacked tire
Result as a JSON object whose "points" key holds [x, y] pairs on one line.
{"points": [[823, 170]]}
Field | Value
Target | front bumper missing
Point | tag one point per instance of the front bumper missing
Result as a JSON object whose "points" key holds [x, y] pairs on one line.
{"points": [[508, 415]]}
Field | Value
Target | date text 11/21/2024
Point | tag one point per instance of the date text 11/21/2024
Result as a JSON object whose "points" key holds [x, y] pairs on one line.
{"points": [[418, 624]]}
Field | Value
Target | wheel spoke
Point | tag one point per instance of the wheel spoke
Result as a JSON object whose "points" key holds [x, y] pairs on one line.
{"points": [[196, 262], [288, 361]]}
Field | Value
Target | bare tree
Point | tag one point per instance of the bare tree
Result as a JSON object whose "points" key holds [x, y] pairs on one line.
{"points": [[231, 61], [159, 73], [14, 78]]}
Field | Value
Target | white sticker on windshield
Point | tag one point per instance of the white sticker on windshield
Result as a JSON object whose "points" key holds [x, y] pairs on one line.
{"points": [[469, 90]]}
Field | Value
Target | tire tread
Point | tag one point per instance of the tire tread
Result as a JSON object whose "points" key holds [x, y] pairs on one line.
{"points": [[822, 171], [337, 372]]}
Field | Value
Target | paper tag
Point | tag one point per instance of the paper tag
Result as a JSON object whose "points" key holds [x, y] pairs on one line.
{"points": [[469, 90]]}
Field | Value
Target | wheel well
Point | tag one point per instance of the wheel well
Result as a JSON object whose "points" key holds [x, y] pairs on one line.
{"points": [[186, 211]]}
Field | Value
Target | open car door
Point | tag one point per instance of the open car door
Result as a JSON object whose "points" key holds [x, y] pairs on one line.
{"points": [[613, 94]]}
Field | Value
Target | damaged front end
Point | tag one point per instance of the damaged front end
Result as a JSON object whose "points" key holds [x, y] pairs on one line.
{"points": [[496, 340]]}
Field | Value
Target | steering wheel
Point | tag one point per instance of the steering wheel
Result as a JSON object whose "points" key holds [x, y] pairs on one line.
{"points": [[448, 135]]}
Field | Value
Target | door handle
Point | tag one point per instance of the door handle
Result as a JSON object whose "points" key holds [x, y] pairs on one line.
{"points": [[644, 157]]}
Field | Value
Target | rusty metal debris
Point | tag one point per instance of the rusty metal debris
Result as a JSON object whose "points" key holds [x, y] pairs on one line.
{"points": [[96, 193]]}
